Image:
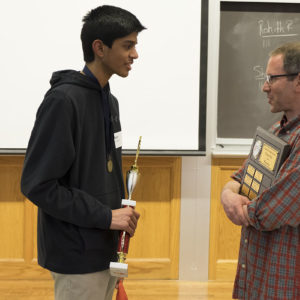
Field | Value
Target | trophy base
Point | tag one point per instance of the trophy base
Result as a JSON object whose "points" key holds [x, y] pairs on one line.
{"points": [[118, 269], [127, 202]]}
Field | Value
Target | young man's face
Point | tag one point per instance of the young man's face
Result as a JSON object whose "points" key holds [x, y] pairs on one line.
{"points": [[119, 58]]}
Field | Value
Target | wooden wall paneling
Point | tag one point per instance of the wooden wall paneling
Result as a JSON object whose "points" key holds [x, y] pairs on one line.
{"points": [[154, 250], [224, 235], [11, 213], [17, 221]]}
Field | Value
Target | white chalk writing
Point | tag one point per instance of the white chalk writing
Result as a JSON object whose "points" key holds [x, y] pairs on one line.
{"points": [[259, 76], [276, 28]]}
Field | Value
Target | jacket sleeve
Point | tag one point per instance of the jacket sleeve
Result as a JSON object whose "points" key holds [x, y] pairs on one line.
{"points": [[49, 156], [280, 204]]}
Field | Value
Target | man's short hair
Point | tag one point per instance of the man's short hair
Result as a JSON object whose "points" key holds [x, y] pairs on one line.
{"points": [[291, 56], [106, 23]]}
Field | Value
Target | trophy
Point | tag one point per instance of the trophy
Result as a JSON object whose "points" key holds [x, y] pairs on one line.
{"points": [[120, 268]]}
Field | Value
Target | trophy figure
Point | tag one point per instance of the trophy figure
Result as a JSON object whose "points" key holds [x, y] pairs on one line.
{"points": [[120, 268]]}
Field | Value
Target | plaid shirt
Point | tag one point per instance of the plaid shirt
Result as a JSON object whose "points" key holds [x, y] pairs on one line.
{"points": [[269, 258]]}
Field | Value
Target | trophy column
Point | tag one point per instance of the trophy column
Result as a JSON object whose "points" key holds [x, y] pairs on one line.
{"points": [[120, 268]]}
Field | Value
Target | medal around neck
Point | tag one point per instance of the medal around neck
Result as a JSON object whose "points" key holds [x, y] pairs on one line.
{"points": [[109, 165], [120, 268]]}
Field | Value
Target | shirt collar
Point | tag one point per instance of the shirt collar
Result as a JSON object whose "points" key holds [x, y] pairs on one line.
{"points": [[88, 73], [286, 124]]}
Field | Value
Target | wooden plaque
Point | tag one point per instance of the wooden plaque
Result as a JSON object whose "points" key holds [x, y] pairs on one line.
{"points": [[268, 152]]}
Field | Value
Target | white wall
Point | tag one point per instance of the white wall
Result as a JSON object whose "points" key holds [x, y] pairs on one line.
{"points": [[196, 176], [194, 222]]}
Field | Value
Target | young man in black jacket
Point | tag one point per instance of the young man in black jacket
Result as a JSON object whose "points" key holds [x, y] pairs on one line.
{"points": [[73, 167]]}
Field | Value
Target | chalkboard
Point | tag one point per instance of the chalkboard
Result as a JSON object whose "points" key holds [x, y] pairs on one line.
{"points": [[248, 33]]}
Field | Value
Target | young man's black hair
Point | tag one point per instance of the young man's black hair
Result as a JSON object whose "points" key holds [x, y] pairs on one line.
{"points": [[106, 23]]}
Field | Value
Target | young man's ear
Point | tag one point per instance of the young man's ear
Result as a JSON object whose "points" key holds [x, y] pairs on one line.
{"points": [[98, 48]]}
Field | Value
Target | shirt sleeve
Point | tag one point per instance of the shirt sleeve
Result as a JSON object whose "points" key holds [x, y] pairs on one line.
{"points": [[279, 205], [238, 175], [49, 157]]}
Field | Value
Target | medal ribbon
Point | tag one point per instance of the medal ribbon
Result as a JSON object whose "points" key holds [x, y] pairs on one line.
{"points": [[106, 111]]}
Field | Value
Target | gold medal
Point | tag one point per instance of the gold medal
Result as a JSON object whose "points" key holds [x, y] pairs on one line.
{"points": [[109, 165]]}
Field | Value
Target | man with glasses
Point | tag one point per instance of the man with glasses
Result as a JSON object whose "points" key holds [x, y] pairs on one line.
{"points": [[269, 258]]}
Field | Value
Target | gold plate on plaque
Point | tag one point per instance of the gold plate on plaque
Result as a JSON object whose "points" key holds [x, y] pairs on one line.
{"points": [[245, 190], [258, 176], [252, 195], [248, 180], [255, 186], [250, 170], [268, 157]]}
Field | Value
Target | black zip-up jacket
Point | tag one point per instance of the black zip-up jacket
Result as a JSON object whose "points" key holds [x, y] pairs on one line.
{"points": [[65, 175]]}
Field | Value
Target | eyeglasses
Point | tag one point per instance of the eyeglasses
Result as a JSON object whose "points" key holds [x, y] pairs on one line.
{"points": [[269, 78]]}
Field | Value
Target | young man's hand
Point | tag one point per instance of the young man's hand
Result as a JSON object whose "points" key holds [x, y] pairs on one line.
{"points": [[124, 219]]}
